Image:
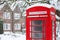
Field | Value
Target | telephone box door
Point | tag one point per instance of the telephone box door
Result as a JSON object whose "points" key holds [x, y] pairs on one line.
{"points": [[37, 29]]}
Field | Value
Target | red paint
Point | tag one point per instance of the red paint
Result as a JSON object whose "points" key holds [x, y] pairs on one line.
{"points": [[45, 25]]}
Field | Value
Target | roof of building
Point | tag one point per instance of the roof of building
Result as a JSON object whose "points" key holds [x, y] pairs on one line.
{"points": [[13, 6], [41, 4], [57, 17], [2, 5]]}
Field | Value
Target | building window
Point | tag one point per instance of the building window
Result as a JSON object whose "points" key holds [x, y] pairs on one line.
{"points": [[6, 15], [17, 26], [6, 26], [16, 16], [37, 29]]}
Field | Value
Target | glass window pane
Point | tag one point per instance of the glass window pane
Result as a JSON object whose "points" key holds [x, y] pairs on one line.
{"points": [[37, 28], [16, 16], [17, 26], [6, 26], [6, 15], [36, 35], [37, 22]]}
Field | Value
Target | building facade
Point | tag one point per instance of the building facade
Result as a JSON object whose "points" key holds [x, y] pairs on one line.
{"points": [[13, 21], [7, 18], [16, 19]]}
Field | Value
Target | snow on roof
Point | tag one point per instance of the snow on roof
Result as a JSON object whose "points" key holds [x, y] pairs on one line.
{"points": [[40, 4], [2, 5], [21, 3], [13, 6], [58, 6], [24, 13], [57, 17]]}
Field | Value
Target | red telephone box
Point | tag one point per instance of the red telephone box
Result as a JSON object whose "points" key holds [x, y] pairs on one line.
{"points": [[40, 22]]}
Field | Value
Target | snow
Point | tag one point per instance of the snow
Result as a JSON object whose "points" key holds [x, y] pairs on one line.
{"points": [[58, 37], [57, 17], [20, 3], [12, 36], [40, 4], [13, 6], [24, 13], [58, 6], [2, 5]]}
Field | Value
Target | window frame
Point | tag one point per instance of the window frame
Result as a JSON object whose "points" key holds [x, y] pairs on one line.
{"points": [[43, 31], [6, 15], [6, 26], [15, 16], [17, 26]]}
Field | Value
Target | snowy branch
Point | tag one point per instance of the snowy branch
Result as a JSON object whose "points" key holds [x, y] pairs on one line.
{"points": [[2, 2]]}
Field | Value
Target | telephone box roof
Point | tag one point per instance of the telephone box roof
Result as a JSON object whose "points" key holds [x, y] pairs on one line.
{"points": [[40, 4]]}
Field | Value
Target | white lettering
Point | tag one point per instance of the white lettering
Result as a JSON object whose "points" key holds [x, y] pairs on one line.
{"points": [[38, 12], [39, 16]]}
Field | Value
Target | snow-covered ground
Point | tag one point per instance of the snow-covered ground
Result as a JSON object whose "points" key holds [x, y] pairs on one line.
{"points": [[58, 35], [12, 36]]}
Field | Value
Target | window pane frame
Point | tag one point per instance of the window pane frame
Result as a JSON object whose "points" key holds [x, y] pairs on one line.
{"points": [[17, 16], [6, 26], [6, 15], [43, 31], [17, 26]]}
